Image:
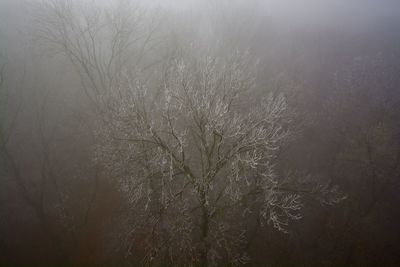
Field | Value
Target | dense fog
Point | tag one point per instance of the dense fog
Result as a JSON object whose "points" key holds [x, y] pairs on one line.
{"points": [[199, 133]]}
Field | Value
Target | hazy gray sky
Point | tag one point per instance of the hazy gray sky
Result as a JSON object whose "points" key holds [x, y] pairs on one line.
{"points": [[296, 11]]}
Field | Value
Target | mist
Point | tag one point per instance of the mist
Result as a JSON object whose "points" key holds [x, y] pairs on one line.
{"points": [[199, 133]]}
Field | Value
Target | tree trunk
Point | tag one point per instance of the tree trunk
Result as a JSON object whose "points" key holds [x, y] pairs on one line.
{"points": [[204, 231]]}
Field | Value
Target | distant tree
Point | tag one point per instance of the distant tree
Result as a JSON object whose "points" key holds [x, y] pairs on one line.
{"points": [[39, 173], [364, 106], [101, 41]]}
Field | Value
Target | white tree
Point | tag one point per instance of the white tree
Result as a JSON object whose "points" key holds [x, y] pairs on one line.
{"points": [[202, 149]]}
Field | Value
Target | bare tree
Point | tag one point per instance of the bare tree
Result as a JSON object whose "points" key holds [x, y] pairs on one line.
{"points": [[100, 41], [50, 153], [364, 105], [205, 151]]}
